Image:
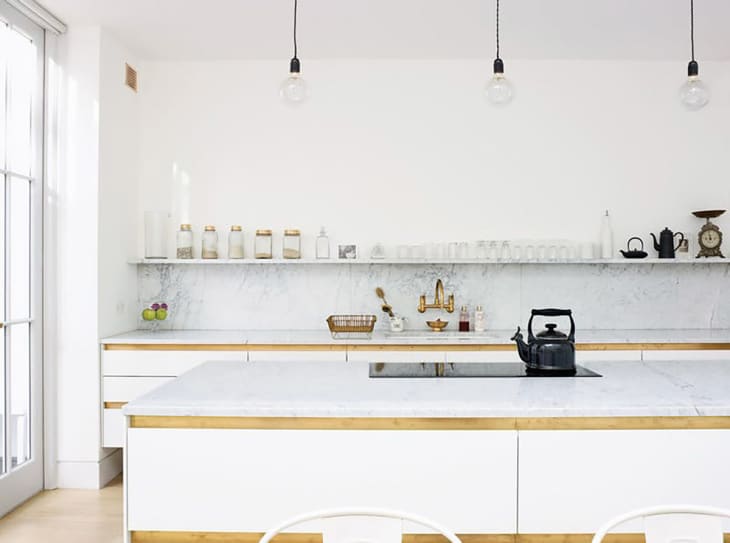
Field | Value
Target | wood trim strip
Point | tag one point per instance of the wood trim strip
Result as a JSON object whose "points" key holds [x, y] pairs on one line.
{"points": [[430, 347], [395, 423], [114, 405], [330, 423], [254, 537], [175, 347]]}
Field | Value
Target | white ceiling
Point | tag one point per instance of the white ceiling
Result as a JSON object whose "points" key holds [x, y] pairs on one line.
{"points": [[540, 29]]}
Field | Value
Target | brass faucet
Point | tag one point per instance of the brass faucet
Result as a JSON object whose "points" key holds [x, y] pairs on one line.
{"points": [[439, 301]]}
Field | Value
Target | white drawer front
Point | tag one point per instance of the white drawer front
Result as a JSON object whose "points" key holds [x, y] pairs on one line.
{"points": [[297, 356], [124, 389], [396, 356], [160, 363], [483, 356], [251, 479], [573, 481], [687, 355], [113, 428]]}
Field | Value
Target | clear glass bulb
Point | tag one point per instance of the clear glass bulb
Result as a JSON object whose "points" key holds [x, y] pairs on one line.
{"points": [[294, 89], [499, 90], [694, 93]]}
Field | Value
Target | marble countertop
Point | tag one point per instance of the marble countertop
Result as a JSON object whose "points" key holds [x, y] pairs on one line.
{"points": [[333, 389], [409, 337]]}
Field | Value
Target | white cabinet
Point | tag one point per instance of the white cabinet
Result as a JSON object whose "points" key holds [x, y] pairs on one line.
{"points": [[571, 481], [160, 363], [128, 374], [426, 356], [251, 479], [297, 356]]}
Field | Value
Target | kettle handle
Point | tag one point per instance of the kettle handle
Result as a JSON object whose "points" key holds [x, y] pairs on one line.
{"points": [[551, 313], [681, 239]]}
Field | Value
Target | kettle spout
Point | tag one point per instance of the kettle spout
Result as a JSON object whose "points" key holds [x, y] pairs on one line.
{"points": [[656, 242], [522, 348]]}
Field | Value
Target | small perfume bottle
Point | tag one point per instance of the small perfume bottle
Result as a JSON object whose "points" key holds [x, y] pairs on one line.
{"points": [[479, 321], [322, 249], [464, 319]]}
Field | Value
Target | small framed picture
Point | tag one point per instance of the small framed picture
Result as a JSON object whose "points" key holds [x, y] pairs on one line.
{"points": [[347, 251]]}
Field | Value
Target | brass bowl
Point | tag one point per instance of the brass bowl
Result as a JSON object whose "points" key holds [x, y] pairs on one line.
{"points": [[437, 325]]}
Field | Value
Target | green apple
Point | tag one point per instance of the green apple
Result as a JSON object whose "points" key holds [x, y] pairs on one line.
{"points": [[148, 314], [161, 314]]}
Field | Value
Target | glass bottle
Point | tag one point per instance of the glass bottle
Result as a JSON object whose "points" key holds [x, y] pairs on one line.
{"points": [[292, 247], [322, 248], [185, 242], [210, 242], [235, 242], [262, 245], [479, 321], [464, 319]]}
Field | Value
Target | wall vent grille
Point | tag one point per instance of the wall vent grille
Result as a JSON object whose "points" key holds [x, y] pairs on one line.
{"points": [[130, 77]]}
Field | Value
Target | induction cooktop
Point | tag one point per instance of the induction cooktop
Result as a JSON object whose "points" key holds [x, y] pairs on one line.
{"points": [[466, 370]]}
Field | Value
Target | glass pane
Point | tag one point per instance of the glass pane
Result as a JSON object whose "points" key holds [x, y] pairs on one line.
{"points": [[19, 360], [21, 84], [18, 239], [2, 248], [3, 463], [3, 63]]}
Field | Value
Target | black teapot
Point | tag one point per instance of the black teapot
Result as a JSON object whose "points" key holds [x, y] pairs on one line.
{"points": [[665, 246], [551, 351]]}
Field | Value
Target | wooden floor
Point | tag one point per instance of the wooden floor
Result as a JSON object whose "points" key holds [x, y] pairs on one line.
{"points": [[67, 516]]}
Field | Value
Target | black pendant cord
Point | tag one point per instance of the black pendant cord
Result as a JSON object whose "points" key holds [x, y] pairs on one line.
{"points": [[295, 28], [497, 29], [692, 26]]}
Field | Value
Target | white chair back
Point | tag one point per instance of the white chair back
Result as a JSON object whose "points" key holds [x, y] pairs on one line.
{"points": [[674, 524], [360, 525]]}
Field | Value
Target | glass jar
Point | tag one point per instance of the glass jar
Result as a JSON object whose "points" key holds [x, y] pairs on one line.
{"points": [[235, 242], [210, 242], [322, 248], [185, 242], [292, 244], [262, 245]]}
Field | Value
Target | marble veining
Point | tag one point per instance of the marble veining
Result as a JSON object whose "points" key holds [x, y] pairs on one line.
{"points": [[330, 389], [282, 297]]}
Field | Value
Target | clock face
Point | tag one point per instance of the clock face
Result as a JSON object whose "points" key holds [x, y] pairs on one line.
{"points": [[710, 239]]}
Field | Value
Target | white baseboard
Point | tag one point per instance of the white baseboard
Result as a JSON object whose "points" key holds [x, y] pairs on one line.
{"points": [[91, 475]]}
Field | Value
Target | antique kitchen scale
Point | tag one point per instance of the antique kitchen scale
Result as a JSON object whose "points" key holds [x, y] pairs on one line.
{"points": [[710, 237]]}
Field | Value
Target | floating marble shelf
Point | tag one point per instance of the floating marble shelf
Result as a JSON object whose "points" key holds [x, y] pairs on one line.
{"points": [[390, 261]]}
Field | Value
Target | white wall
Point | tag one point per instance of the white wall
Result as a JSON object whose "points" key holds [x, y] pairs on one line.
{"points": [[118, 197], [408, 151], [92, 203], [76, 195]]}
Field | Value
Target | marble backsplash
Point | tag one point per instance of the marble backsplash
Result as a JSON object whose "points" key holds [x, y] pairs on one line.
{"points": [[301, 296]]}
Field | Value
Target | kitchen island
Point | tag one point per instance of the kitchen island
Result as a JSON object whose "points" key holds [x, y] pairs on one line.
{"points": [[232, 448]]}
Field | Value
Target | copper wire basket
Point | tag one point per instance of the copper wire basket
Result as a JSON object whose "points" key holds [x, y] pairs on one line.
{"points": [[351, 326]]}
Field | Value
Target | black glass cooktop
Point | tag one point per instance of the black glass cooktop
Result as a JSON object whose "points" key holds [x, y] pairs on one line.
{"points": [[465, 370]]}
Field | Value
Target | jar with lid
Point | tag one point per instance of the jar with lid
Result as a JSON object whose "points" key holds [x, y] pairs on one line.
{"points": [[235, 242], [263, 245], [185, 242], [210, 242], [292, 244]]}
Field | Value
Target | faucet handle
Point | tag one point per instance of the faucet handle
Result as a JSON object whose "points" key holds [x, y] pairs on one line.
{"points": [[422, 303]]}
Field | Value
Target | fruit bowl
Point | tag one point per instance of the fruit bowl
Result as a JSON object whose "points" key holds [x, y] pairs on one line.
{"points": [[437, 325]]}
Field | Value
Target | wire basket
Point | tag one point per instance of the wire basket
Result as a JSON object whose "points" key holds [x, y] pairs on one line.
{"points": [[351, 326]]}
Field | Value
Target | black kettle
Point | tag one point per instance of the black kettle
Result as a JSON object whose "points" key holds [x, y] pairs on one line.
{"points": [[665, 245], [551, 351]]}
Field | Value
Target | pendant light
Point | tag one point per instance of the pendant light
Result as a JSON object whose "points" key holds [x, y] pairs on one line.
{"points": [[294, 88], [499, 90], [694, 93]]}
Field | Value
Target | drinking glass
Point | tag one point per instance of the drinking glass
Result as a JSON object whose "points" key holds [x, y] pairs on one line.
{"points": [[493, 250], [453, 250], [505, 253], [404, 252], [540, 252], [530, 252], [482, 250], [463, 250], [516, 252], [418, 252]]}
